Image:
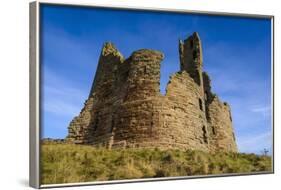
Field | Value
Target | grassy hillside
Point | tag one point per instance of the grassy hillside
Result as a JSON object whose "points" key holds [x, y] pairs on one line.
{"points": [[66, 163]]}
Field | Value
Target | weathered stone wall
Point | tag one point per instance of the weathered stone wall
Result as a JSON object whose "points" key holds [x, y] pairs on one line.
{"points": [[144, 75], [218, 114], [191, 58], [126, 109], [220, 121], [184, 113], [93, 123]]}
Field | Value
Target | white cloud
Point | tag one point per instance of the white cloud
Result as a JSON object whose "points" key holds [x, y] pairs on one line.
{"points": [[263, 110], [255, 143], [64, 48], [60, 107], [60, 98]]}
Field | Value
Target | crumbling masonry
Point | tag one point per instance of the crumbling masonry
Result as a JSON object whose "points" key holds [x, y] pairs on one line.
{"points": [[126, 109]]}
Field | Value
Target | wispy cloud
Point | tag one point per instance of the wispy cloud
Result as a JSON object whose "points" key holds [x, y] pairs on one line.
{"points": [[63, 100], [255, 143], [64, 88], [265, 110], [59, 107], [59, 97], [68, 50]]}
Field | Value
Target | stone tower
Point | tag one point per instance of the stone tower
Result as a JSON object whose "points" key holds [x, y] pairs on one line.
{"points": [[126, 109], [191, 59]]}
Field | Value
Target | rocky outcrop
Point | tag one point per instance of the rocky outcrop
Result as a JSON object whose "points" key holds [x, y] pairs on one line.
{"points": [[126, 109]]}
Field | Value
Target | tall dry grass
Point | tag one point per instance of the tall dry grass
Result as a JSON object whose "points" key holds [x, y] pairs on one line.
{"points": [[68, 163]]}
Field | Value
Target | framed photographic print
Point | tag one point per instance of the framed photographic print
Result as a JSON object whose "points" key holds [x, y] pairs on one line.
{"points": [[127, 94]]}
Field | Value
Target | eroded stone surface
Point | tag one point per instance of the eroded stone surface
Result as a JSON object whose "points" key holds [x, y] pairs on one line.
{"points": [[126, 109]]}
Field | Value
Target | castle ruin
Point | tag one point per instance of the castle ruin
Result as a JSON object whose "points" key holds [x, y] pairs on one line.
{"points": [[126, 109]]}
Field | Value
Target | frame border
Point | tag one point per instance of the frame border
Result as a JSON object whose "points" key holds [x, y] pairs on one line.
{"points": [[34, 102], [35, 90]]}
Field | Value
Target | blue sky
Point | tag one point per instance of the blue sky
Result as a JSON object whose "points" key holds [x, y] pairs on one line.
{"points": [[236, 54]]}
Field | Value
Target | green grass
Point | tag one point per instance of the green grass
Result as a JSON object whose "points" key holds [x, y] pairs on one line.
{"points": [[69, 163]]}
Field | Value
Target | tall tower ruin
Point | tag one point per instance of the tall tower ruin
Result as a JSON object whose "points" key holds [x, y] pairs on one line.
{"points": [[191, 59], [126, 109]]}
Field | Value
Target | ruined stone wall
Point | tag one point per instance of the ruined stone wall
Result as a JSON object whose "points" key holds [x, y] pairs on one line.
{"points": [[222, 138], [126, 109], [191, 59], [135, 120], [93, 123], [184, 113], [218, 114], [119, 106]]}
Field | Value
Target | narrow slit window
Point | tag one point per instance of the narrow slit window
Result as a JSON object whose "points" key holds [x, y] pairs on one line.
{"points": [[200, 104], [95, 126], [96, 123], [213, 130], [205, 138], [191, 44], [151, 122], [194, 53]]}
